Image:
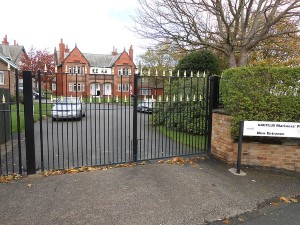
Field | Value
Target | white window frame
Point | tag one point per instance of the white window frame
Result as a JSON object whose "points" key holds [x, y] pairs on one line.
{"points": [[53, 87], [145, 91], [124, 71], [2, 77], [123, 87]]}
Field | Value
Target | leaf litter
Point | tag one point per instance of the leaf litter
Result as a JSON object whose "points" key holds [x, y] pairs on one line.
{"points": [[194, 161]]}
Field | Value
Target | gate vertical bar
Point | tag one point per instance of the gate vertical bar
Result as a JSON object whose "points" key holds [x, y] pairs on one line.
{"points": [[18, 121], [29, 123], [41, 120], [134, 133], [213, 104]]}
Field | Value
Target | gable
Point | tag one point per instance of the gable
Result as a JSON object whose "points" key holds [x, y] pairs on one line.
{"points": [[12, 52], [122, 59], [75, 56]]}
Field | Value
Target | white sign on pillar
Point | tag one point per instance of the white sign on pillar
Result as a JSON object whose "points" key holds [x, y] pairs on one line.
{"points": [[271, 129]]}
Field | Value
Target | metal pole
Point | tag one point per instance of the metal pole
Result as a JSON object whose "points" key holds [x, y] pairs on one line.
{"points": [[29, 123], [134, 133], [41, 120], [239, 159]]}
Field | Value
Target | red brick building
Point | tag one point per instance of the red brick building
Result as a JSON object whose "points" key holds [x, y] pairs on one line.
{"points": [[10, 56], [85, 74]]}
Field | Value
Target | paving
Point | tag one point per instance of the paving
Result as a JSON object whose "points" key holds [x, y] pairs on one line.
{"points": [[202, 193]]}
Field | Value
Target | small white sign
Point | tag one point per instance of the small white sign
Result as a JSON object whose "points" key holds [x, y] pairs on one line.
{"points": [[271, 129]]}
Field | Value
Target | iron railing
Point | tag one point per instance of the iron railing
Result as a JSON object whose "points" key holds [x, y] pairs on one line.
{"points": [[116, 128]]}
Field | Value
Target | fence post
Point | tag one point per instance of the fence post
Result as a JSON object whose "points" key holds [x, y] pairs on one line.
{"points": [[29, 123], [213, 104], [134, 133]]}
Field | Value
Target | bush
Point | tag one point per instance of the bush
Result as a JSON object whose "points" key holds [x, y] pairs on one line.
{"points": [[261, 94], [200, 61]]}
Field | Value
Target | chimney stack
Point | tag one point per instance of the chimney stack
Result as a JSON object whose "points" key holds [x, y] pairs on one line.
{"points": [[131, 52], [4, 42], [114, 52], [61, 51], [67, 49]]}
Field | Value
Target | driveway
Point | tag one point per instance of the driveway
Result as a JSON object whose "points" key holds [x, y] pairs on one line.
{"points": [[104, 136], [169, 194]]}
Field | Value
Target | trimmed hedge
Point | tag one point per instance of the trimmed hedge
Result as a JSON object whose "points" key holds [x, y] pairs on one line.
{"points": [[261, 94]]}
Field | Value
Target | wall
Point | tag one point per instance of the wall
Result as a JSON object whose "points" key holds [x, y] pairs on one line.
{"points": [[285, 156], [9, 78]]}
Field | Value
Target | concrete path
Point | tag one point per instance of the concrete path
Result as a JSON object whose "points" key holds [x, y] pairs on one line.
{"points": [[145, 194]]}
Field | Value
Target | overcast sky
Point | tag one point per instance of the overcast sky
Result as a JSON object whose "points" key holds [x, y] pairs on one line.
{"points": [[94, 25]]}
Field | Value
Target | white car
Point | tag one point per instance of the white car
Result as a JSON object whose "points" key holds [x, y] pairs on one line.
{"points": [[146, 106], [68, 108]]}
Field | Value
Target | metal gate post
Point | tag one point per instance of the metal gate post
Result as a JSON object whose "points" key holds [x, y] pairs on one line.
{"points": [[134, 133], [29, 123], [213, 104]]}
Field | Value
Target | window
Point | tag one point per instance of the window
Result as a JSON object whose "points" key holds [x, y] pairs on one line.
{"points": [[74, 70], [1, 77], [53, 87], [78, 69], [123, 87], [79, 87], [83, 70], [70, 69], [124, 71], [145, 91]]}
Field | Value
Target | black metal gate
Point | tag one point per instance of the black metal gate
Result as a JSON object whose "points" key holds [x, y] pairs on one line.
{"points": [[162, 116]]}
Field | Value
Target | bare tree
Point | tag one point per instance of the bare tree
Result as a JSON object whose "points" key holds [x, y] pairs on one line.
{"points": [[233, 27]]}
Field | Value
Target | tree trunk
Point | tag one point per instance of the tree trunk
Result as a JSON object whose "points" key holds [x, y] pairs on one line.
{"points": [[231, 60], [243, 59]]}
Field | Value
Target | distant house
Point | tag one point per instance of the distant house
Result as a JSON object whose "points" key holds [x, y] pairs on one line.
{"points": [[10, 55], [87, 74]]}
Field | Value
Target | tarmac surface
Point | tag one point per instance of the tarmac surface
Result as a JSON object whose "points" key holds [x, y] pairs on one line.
{"points": [[200, 193]]}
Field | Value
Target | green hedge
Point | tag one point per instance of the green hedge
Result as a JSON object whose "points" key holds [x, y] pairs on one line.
{"points": [[261, 94]]}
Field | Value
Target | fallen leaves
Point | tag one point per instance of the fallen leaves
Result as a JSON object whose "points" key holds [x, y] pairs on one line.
{"points": [[88, 169], [6, 179], [226, 221], [288, 200], [194, 161]]}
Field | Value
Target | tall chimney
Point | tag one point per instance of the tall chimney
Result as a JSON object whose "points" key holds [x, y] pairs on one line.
{"points": [[114, 52], [61, 51], [4, 42], [131, 52], [67, 50]]}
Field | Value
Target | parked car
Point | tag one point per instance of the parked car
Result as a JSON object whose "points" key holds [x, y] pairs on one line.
{"points": [[146, 107], [68, 108], [35, 95]]}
